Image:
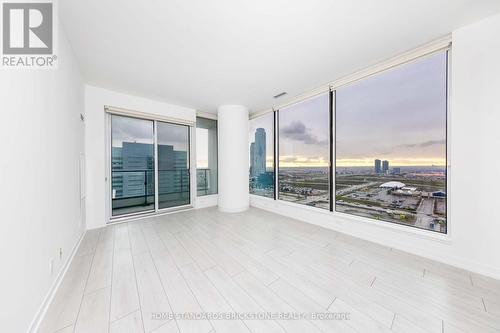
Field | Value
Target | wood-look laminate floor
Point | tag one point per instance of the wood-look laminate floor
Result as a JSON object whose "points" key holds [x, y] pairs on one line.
{"points": [[131, 277]]}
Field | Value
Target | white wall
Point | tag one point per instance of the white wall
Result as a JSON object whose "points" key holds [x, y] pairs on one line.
{"points": [[41, 138], [95, 140], [475, 161]]}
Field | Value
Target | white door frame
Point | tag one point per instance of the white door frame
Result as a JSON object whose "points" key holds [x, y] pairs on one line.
{"points": [[109, 111]]}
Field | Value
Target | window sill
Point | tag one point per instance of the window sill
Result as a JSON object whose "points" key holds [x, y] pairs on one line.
{"points": [[346, 219]]}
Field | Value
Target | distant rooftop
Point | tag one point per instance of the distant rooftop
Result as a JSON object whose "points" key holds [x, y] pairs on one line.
{"points": [[393, 185]]}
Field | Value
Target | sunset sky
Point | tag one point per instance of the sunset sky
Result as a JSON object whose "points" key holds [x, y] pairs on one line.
{"points": [[398, 115]]}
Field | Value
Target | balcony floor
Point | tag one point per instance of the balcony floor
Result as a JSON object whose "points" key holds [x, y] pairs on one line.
{"points": [[128, 277]]}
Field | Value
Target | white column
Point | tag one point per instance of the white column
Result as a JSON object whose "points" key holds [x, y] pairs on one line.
{"points": [[232, 123]]}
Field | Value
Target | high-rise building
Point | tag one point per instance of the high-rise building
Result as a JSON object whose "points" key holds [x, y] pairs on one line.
{"points": [[173, 176], [385, 166], [396, 171], [117, 165], [378, 168], [137, 162], [258, 153]]}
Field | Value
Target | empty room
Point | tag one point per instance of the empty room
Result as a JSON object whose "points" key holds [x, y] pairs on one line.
{"points": [[256, 166]]}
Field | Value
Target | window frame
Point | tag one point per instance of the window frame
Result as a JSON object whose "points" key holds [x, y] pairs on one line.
{"points": [[447, 52]]}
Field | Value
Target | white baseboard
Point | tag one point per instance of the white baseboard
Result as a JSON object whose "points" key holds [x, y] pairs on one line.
{"points": [[206, 201], [42, 311], [404, 239], [234, 210]]}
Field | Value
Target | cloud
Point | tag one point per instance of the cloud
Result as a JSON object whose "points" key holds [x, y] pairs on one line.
{"points": [[425, 144], [297, 131]]}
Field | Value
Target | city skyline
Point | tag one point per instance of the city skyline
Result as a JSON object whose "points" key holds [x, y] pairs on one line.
{"points": [[368, 162], [134, 161]]}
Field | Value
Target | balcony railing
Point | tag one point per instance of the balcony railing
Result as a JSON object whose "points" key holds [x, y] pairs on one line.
{"points": [[203, 185], [136, 187]]}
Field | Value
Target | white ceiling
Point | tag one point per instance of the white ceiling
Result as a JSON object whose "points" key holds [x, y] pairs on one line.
{"points": [[204, 53]]}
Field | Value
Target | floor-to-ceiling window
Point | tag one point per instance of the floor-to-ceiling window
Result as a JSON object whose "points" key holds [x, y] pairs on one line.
{"points": [[261, 168], [206, 156], [132, 165], [391, 145], [173, 165], [304, 152]]}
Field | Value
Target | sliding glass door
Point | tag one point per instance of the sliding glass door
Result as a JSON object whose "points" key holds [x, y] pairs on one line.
{"points": [[150, 165], [132, 165], [173, 165]]}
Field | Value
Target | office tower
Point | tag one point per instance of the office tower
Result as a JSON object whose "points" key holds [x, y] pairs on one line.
{"points": [[385, 166], [172, 170], [137, 163], [258, 153], [117, 165], [378, 168]]}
